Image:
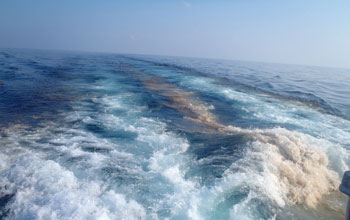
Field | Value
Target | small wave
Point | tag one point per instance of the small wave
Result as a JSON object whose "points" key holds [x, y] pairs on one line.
{"points": [[6, 55]]}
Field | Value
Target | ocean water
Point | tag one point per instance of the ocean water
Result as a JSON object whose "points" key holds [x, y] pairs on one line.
{"points": [[107, 136]]}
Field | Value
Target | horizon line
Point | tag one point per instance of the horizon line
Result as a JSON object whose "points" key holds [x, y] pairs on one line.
{"points": [[180, 56]]}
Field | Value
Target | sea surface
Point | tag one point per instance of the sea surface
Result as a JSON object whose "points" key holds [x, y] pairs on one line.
{"points": [[110, 136]]}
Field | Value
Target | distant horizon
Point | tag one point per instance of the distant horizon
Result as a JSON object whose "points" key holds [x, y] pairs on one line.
{"points": [[165, 55]]}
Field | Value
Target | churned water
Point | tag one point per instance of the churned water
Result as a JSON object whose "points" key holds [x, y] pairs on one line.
{"points": [[105, 136]]}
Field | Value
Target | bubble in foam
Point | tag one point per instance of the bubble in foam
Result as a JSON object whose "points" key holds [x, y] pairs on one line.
{"points": [[302, 169]]}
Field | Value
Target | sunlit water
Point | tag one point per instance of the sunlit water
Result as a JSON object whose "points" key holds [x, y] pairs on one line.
{"points": [[103, 136]]}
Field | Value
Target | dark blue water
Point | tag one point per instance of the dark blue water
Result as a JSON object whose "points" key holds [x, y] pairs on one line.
{"points": [[106, 136]]}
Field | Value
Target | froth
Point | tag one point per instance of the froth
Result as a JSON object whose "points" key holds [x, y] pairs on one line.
{"points": [[76, 184], [299, 168], [45, 190], [302, 169]]}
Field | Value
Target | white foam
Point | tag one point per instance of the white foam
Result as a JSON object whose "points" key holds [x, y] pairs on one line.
{"points": [[170, 162], [3, 162], [48, 185], [45, 190]]}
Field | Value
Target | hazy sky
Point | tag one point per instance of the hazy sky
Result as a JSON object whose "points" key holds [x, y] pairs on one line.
{"points": [[314, 32]]}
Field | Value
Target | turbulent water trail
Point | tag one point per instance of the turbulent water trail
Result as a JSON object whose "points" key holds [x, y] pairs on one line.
{"points": [[301, 170], [102, 136]]}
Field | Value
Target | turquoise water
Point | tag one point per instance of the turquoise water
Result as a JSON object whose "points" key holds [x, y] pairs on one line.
{"points": [[105, 136]]}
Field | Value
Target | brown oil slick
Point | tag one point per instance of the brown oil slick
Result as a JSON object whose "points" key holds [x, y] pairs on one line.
{"points": [[301, 169], [184, 102]]}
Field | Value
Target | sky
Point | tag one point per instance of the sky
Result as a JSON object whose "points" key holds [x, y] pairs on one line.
{"points": [[310, 32]]}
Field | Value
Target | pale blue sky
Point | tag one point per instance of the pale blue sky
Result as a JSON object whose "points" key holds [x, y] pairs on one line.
{"points": [[313, 32]]}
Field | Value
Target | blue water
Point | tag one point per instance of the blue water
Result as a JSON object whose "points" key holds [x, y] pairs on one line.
{"points": [[106, 136]]}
